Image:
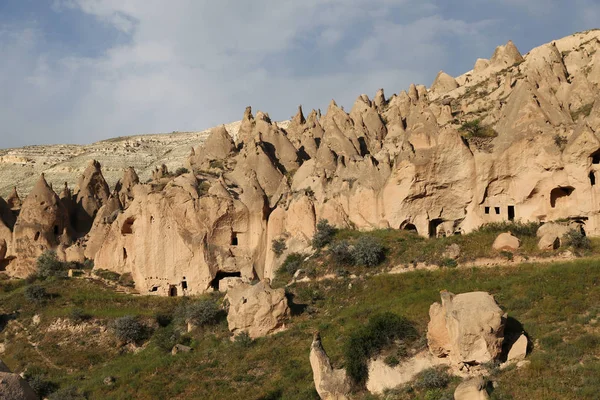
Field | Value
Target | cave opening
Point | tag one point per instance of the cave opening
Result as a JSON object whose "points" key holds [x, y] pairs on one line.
{"points": [[222, 275], [558, 193], [592, 178], [234, 239], [511, 213], [433, 226], [127, 228]]}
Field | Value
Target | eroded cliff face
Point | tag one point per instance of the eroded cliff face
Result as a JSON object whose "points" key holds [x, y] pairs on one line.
{"points": [[515, 138]]}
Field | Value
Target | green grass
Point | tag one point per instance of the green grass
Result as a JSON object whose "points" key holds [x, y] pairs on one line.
{"points": [[557, 304]]}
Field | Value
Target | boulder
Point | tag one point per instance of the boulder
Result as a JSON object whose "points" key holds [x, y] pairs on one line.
{"points": [[257, 309], [331, 384], [468, 328], [518, 351], [472, 389], [506, 241], [452, 251], [179, 348], [549, 242]]}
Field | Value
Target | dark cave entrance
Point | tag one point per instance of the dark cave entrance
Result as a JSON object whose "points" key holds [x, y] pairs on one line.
{"points": [[172, 291], [592, 178], [559, 193], [433, 226], [222, 275], [511, 213]]}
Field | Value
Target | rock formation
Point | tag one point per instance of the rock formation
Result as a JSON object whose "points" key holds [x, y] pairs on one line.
{"points": [[39, 227], [92, 192], [257, 310], [472, 389], [331, 384], [468, 328], [516, 138]]}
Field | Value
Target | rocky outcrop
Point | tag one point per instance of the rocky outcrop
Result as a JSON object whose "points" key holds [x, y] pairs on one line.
{"points": [[13, 200], [257, 310], [39, 227], [472, 389], [92, 193], [507, 242], [331, 384], [468, 328], [125, 185]]}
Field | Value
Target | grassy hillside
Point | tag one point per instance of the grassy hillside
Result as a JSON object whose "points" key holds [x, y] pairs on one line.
{"points": [[557, 304]]}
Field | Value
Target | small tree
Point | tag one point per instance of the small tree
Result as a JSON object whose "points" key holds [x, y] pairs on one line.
{"points": [[278, 246], [48, 265], [292, 263], [577, 239], [180, 171], [368, 251], [323, 235], [129, 329]]}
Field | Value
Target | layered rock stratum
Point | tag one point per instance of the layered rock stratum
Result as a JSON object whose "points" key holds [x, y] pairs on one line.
{"points": [[516, 138]]}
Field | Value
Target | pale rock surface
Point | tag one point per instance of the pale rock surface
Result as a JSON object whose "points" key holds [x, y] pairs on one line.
{"points": [[518, 351], [468, 328], [549, 241], [331, 384], [506, 241], [472, 389], [92, 193], [257, 309]]}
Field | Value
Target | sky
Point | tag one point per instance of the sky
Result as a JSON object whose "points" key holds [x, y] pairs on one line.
{"points": [[79, 71]]}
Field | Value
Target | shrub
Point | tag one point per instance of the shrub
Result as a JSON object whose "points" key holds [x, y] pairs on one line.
{"points": [[507, 254], [528, 229], [323, 235], [79, 315], [278, 246], [340, 253], [368, 251], [577, 239], [165, 338], [129, 329], [474, 129], [218, 164], [391, 361], [366, 341], [40, 385], [36, 294], [180, 171], [203, 312], [292, 263], [243, 340], [163, 319], [432, 378], [48, 265], [107, 275]]}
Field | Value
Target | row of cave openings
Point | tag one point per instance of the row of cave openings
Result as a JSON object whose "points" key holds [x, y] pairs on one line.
{"points": [[214, 284]]}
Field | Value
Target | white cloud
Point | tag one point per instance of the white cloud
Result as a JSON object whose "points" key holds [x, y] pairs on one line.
{"points": [[192, 64]]}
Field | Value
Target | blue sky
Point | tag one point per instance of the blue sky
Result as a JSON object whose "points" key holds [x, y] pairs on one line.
{"points": [[78, 71]]}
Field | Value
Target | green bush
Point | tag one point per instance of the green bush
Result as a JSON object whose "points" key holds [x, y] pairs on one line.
{"points": [[107, 275], [323, 235], [474, 129], [368, 251], [278, 246], [432, 378], [391, 361], [243, 340], [129, 329], [36, 294], [292, 263], [340, 253], [368, 340], [528, 229], [180, 171], [577, 239], [40, 385], [203, 312], [163, 319], [48, 265]]}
